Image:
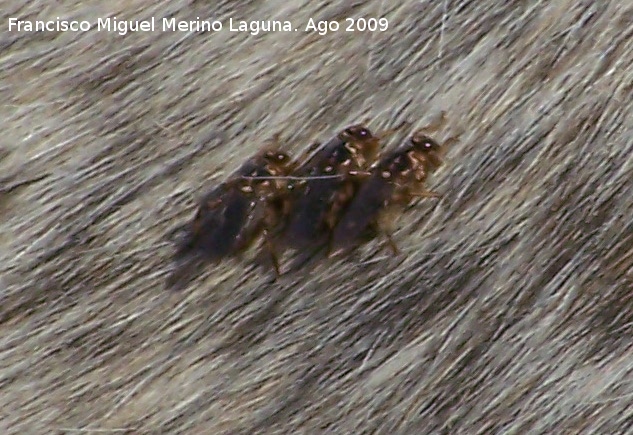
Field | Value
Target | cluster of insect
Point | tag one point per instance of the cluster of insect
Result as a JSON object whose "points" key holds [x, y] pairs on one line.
{"points": [[332, 197]]}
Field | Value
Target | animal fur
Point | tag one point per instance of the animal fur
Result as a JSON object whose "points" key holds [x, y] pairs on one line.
{"points": [[512, 310]]}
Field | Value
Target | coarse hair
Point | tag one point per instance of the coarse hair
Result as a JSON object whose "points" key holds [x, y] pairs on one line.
{"points": [[509, 310]]}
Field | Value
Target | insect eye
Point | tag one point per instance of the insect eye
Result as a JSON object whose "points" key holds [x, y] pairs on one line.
{"points": [[424, 143], [357, 131]]}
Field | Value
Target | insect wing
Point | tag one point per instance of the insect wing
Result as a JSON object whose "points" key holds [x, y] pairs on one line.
{"points": [[361, 213], [317, 160]]}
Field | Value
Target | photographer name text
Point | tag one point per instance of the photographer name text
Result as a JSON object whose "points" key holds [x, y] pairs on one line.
{"points": [[254, 27]]}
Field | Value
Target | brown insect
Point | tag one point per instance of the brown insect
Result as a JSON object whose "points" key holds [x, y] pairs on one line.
{"points": [[231, 216], [395, 179], [328, 183]]}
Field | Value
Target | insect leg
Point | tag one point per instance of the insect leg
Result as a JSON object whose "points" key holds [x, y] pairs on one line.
{"points": [[341, 199], [403, 195], [275, 140], [451, 141], [378, 229], [271, 252], [391, 243], [274, 214], [436, 125], [425, 194]]}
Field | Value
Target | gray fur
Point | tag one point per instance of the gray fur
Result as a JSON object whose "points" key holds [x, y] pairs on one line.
{"points": [[512, 311]]}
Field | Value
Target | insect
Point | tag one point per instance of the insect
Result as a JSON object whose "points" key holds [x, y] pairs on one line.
{"points": [[328, 184], [396, 178], [231, 216]]}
